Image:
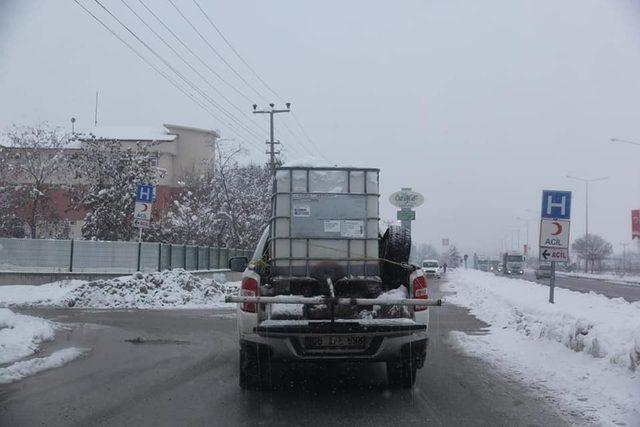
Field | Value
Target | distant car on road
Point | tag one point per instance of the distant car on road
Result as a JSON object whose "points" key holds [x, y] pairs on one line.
{"points": [[543, 270], [431, 267]]}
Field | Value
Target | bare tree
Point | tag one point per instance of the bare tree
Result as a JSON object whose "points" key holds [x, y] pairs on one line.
{"points": [[33, 158], [592, 248]]}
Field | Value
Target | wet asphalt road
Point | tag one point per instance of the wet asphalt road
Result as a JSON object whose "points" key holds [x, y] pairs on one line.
{"points": [[630, 293], [185, 373]]}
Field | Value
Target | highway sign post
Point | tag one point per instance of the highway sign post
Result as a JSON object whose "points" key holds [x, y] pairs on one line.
{"points": [[555, 224], [406, 200]]}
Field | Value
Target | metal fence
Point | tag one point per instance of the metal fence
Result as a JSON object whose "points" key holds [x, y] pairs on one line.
{"points": [[39, 255]]}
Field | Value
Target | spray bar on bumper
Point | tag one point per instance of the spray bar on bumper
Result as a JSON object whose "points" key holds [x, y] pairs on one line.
{"points": [[330, 300]]}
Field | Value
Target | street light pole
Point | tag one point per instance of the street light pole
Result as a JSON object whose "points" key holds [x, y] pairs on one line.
{"points": [[586, 214], [624, 258], [586, 185], [526, 223]]}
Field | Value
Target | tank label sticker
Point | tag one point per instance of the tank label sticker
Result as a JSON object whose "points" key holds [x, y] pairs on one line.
{"points": [[332, 226], [352, 228], [302, 211]]}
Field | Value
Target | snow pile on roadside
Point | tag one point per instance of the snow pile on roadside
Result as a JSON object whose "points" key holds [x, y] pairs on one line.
{"points": [[609, 277], [21, 335], [580, 354], [590, 323], [169, 288], [47, 295], [20, 370]]}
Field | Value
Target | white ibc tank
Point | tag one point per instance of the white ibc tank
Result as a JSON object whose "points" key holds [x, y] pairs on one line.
{"points": [[325, 221]]}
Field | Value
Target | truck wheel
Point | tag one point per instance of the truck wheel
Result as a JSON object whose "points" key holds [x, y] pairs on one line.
{"points": [[401, 373], [395, 246], [254, 370]]}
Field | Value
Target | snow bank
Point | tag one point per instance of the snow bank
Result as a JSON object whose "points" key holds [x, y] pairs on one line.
{"points": [[21, 335], [50, 294], [30, 367], [609, 277], [590, 323], [170, 288], [581, 353]]}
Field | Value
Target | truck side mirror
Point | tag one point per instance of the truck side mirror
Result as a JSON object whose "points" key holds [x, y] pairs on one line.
{"points": [[238, 263]]}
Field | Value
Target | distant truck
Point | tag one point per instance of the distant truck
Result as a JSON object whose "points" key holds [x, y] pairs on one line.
{"points": [[513, 263], [483, 264], [324, 285]]}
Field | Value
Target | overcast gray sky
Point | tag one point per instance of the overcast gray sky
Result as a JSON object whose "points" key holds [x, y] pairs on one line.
{"points": [[479, 105]]}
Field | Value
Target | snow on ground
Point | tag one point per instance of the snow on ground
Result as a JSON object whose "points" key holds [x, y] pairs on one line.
{"points": [[170, 288], [582, 353], [20, 337], [608, 277], [20, 370]]}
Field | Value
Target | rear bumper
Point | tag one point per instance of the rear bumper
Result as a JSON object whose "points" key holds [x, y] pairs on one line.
{"points": [[384, 342]]}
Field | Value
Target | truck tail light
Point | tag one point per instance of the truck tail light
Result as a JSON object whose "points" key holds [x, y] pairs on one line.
{"points": [[420, 290], [248, 288]]}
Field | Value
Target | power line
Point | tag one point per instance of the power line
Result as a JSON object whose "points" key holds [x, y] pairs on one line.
{"points": [[216, 51], [255, 73], [161, 72], [304, 132], [215, 27], [166, 27], [177, 72], [183, 59]]}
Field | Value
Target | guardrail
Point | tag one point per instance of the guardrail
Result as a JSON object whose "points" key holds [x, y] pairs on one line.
{"points": [[42, 255]]}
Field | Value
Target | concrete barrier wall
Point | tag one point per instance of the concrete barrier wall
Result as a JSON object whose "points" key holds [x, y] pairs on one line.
{"points": [[38, 278]]}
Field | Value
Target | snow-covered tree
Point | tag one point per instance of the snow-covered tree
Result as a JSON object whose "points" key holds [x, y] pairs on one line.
{"points": [[110, 174], [192, 217], [423, 251], [453, 258], [592, 248], [226, 205], [32, 159]]}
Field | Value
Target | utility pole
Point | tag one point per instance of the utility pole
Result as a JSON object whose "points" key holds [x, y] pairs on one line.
{"points": [[272, 142]]}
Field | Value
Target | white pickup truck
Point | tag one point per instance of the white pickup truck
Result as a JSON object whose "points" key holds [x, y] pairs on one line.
{"points": [[324, 285]]}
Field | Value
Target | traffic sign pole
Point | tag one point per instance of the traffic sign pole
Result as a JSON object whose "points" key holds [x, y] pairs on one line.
{"points": [[555, 222], [406, 199], [552, 281]]}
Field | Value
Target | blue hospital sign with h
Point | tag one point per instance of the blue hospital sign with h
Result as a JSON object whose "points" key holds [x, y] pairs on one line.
{"points": [[145, 193], [556, 204]]}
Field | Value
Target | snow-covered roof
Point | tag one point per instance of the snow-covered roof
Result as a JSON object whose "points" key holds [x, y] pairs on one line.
{"points": [[130, 133], [193, 129]]}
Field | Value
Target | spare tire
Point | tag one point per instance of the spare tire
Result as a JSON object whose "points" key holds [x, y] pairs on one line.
{"points": [[395, 246]]}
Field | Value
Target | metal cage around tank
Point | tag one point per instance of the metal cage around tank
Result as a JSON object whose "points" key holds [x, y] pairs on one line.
{"points": [[324, 215]]}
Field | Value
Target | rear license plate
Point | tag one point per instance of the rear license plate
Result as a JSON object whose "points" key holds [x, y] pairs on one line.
{"points": [[335, 341]]}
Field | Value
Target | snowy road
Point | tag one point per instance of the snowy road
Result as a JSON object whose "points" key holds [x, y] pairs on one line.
{"points": [[184, 372], [629, 292]]}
